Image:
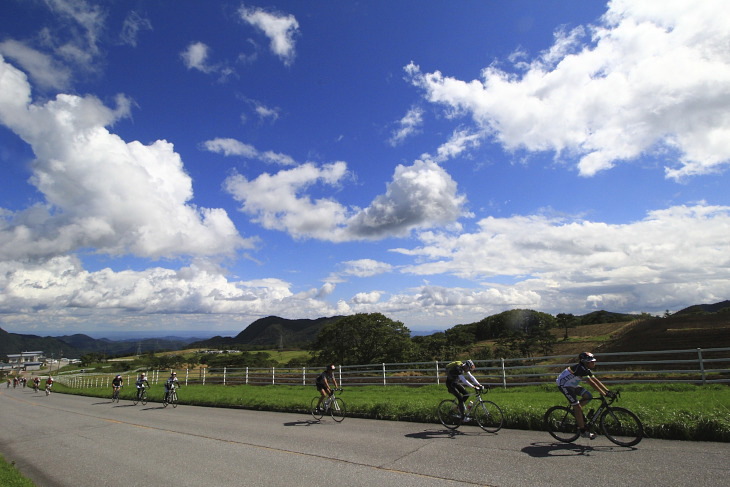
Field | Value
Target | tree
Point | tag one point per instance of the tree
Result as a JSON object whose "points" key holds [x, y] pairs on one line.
{"points": [[566, 320], [362, 339]]}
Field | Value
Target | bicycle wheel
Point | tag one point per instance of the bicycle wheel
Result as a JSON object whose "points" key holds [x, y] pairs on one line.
{"points": [[488, 415], [560, 423], [317, 413], [173, 399], [164, 400], [143, 398], [449, 413], [338, 411], [135, 398], [621, 426]]}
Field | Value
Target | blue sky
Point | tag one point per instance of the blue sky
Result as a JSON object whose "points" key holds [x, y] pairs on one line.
{"points": [[185, 167]]}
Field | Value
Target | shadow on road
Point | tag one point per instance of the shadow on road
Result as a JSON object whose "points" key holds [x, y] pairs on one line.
{"points": [[105, 402], [432, 434], [302, 423]]}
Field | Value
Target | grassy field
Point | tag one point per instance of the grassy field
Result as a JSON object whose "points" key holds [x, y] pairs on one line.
{"points": [[668, 411], [10, 477]]}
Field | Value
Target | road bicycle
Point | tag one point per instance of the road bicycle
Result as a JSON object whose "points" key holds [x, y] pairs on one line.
{"points": [[48, 390], [170, 397], [333, 405], [487, 414], [140, 396], [115, 394], [620, 425]]}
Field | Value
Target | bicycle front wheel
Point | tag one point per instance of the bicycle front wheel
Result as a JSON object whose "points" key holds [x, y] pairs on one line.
{"points": [[449, 413], [338, 411], [143, 398], [488, 415], [560, 423], [621, 426], [164, 400], [173, 399]]}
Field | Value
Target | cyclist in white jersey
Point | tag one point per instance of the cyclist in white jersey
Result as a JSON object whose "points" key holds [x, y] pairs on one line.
{"points": [[569, 384]]}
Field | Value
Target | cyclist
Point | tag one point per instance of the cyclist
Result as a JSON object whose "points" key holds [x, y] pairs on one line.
{"points": [[117, 383], [459, 374], [36, 383], [568, 382], [141, 384], [49, 384], [171, 382], [323, 385]]}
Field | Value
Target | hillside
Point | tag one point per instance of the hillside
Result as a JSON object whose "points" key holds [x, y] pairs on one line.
{"points": [[271, 331]]}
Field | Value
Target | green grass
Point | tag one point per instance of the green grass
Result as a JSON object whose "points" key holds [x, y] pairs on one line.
{"points": [[668, 411], [10, 477]]}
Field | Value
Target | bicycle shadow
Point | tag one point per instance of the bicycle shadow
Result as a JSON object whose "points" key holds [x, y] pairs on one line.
{"points": [[98, 403], [553, 449], [308, 422], [435, 434]]}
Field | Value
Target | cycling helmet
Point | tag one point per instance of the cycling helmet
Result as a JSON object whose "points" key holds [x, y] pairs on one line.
{"points": [[143, 374], [174, 373], [331, 367], [470, 365], [119, 377], [586, 357]]}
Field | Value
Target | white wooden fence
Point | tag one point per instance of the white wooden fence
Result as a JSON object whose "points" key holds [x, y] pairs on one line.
{"points": [[697, 366]]}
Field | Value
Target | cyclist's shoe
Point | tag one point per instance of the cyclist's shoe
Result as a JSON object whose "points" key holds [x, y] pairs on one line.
{"points": [[588, 434], [467, 419], [317, 410]]}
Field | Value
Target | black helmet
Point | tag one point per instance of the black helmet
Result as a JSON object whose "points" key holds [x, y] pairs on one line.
{"points": [[586, 357]]}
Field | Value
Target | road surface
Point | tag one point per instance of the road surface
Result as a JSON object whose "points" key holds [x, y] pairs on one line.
{"points": [[65, 440]]}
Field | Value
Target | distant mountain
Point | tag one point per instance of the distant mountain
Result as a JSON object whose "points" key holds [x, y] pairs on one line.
{"points": [[271, 331], [597, 317], [11, 343], [705, 308], [74, 346]]}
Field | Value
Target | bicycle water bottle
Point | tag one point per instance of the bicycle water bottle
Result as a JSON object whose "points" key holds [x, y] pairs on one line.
{"points": [[468, 408]]}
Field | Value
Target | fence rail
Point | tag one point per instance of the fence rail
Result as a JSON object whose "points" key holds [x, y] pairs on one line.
{"points": [[696, 366]]}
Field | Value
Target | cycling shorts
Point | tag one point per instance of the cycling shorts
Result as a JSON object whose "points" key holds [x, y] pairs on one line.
{"points": [[572, 393]]}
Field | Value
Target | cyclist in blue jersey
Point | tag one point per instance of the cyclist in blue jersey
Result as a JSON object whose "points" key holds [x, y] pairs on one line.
{"points": [[569, 384]]}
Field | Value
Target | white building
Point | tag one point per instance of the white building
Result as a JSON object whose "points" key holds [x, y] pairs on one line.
{"points": [[26, 360]]}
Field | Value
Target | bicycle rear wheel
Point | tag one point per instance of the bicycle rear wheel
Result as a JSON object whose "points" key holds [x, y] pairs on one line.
{"points": [[449, 414], [488, 415], [317, 413], [338, 411], [621, 426], [560, 423]]}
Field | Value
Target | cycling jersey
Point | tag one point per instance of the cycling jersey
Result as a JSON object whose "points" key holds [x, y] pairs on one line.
{"points": [[117, 381], [321, 378], [572, 376], [455, 373]]}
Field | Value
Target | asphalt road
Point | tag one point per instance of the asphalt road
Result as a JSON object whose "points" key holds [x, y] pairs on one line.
{"points": [[65, 440]]}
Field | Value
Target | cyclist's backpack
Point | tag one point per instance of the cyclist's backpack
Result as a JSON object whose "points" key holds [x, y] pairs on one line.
{"points": [[455, 363]]}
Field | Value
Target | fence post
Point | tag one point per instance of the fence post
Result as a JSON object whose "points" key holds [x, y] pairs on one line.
{"points": [[246, 375], [437, 373], [702, 365], [383, 373], [273, 375], [304, 375], [504, 376], [186, 376], [224, 375], [204, 376]]}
